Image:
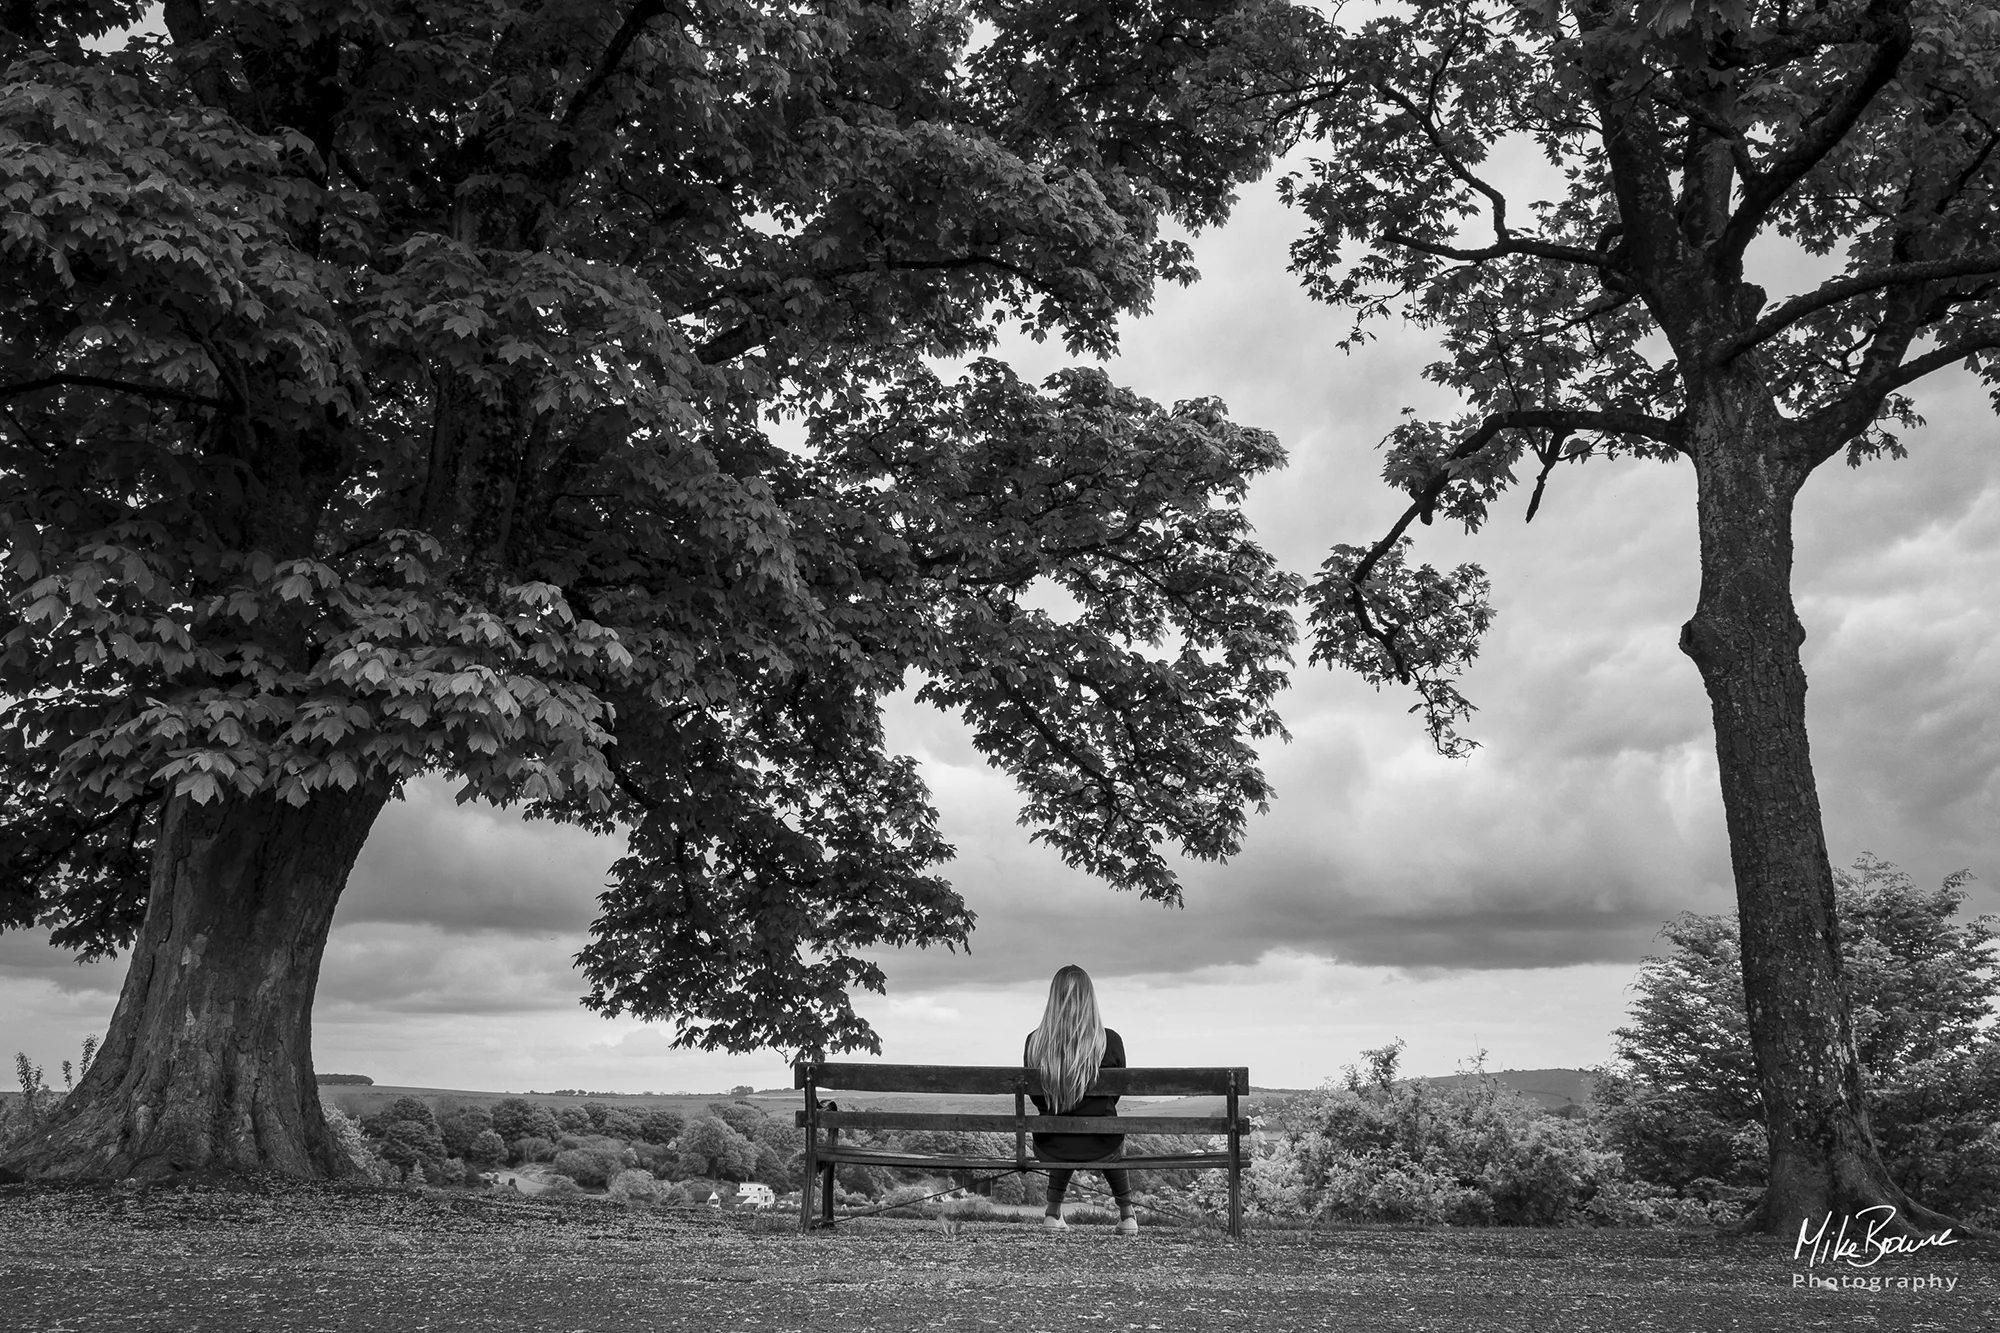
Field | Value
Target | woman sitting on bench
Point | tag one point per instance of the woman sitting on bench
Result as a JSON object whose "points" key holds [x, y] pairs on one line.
{"points": [[1068, 1049]]}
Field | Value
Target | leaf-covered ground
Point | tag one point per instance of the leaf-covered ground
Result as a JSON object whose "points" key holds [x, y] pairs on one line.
{"points": [[200, 1260]]}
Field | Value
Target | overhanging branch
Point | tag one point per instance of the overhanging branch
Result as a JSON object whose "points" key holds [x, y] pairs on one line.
{"points": [[1511, 245], [1852, 412], [1565, 421], [614, 55], [159, 391], [1986, 264]]}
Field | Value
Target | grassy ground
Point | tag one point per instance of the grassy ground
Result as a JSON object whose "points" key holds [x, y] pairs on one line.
{"points": [[199, 1260]]}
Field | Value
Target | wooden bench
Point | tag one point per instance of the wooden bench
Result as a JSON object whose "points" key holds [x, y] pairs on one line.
{"points": [[824, 1150]]}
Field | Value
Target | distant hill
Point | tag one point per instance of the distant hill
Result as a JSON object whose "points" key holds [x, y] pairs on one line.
{"points": [[1552, 1089]]}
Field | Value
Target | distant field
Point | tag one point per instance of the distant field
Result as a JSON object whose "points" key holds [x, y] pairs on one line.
{"points": [[364, 1100], [1553, 1089]]}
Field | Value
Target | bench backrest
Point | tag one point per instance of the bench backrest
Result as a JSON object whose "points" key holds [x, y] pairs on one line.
{"points": [[855, 1076]]}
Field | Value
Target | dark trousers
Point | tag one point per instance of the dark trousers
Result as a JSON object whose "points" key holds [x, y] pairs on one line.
{"points": [[1120, 1181]]}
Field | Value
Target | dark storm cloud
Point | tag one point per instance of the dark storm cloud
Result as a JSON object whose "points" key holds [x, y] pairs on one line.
{"points": [[27, 956], [432, 862], [397, 968]]}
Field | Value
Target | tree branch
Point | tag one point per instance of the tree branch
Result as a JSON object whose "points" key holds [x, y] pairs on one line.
{"points": [[641, 14], [1912, 371], [1889, 20], [1567, 421], [1505, 242], [1853, 410], [1511, 245], [1840, 289], [1550, 454], [729, 345], [121, 386]]}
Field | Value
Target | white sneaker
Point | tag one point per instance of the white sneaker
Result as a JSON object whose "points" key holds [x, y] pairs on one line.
{"points": [[1128, 1226], [1055, 1222]]}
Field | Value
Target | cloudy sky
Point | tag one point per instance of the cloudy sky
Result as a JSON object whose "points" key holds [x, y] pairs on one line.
{"points": [[1500, 902]]}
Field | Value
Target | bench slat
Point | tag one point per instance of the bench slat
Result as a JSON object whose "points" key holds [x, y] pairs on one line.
{"points": [[855, 1076], [1037, 1124], [1160, 1162]]}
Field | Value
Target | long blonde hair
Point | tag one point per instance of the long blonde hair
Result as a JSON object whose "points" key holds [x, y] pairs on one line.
{"points": [[1069, 1045]]}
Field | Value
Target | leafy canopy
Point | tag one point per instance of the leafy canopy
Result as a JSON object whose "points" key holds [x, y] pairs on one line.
{"points": [[1692, 148], [1683, 1100], [388, 390]]}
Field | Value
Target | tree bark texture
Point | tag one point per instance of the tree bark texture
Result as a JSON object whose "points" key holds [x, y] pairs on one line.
{"points": [[207, 1066], [1745, 638]]}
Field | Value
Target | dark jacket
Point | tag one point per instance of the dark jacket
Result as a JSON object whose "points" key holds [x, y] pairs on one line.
{"points": [[1082, 1147]]}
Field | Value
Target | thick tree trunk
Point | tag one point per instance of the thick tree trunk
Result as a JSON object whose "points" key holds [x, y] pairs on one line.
{"points": [[208, 1062], [1745, 638]]}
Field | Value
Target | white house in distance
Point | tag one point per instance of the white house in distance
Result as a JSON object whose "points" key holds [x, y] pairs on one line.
{"points": [[754, 1194]]}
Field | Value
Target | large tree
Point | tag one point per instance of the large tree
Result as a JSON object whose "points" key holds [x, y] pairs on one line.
{"points": [[1682, 1101], [385, 390], [1692, 149]]}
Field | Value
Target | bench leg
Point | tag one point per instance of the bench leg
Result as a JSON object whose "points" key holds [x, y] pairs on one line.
{"points": [[1235, 1199], [826, 1195]]}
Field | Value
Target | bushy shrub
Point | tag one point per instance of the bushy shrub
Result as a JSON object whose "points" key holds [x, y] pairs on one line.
{"points": [[412, 1146], [573, 1120], [777, 1167], [406, 1108], [346, 1131], [615, 1151], [657, 1158], [1273, 1183], [1644, 1203], [636, 1186], [1386, 1150], [447, 1171], [518, 1118], [460, 1127], [486, 1149], [588, 1167], [533, 1148], [743, 1117], [708, 1147], [689, 1193], [562, 1187], [661, 1127]]}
